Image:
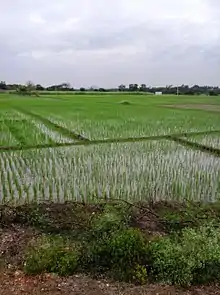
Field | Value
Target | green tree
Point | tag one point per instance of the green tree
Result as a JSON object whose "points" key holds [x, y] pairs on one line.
{"points": [[143, 87], [3, 85], [133, 87], [122, 87]]}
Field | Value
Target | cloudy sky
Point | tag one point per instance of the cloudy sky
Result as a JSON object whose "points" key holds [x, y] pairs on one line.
{"points": [[109, 42]]}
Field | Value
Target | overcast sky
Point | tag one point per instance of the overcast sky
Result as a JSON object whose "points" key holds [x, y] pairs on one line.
{"points": [[109, 42]]}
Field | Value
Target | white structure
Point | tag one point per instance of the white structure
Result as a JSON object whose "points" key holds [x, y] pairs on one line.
{"points": [[158, 93]]}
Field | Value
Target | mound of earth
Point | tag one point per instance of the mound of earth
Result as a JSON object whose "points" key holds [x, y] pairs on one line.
{"points": [[125, 102]]}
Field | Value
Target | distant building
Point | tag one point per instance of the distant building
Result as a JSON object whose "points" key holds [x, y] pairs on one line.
{"points": [[158, 93]]}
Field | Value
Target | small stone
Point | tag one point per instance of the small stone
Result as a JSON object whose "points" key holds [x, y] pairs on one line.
{"points": [[18, 273]]}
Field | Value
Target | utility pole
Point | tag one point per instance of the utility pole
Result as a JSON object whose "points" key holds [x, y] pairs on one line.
{"points": [[177, 90]]}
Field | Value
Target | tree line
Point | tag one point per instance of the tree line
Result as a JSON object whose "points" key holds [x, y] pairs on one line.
{"points": [[31, 88]]}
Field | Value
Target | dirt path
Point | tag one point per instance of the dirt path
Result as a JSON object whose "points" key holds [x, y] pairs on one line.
{"points": [[17, 284]]}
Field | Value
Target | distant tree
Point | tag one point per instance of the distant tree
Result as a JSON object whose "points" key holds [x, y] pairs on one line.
{"points": [[190, 92], [143, 87], [65, 86], [133, 87], [122, 87], [3, 85], [60, 87], [213, 93], [130, 87], [30, 87], [197, 89], [39, 87], [183, 89], [93, 88], [52, 88], [22, 90]]}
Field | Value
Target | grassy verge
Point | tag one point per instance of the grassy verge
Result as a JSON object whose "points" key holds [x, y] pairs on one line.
{"points": [[142, 243]]}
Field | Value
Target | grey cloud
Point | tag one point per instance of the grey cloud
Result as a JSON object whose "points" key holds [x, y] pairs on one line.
{"points": [[110, 42]]}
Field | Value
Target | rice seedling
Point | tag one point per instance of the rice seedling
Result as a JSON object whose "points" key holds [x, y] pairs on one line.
{"points": [[212, 140], [51, 135], [134, 171], [6, 137], [121, 126]]}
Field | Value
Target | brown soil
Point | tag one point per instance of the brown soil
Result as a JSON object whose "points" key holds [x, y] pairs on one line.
{"points": [[17, 283], [20, 225], [12, 244], [205, 107]]}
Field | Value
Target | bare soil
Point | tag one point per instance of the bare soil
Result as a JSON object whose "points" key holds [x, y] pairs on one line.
{"points": [[204, 107], [16, 283]]}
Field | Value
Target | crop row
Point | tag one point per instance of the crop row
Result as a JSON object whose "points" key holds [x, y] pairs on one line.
{"points": [[179, 138], [113, 121], [35, 131], [211, 140], [54, 126], [134, 171], [28, 131]]}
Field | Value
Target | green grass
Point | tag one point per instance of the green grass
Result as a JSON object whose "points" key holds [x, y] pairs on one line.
{"points": [[98, 117], [158, 169]]}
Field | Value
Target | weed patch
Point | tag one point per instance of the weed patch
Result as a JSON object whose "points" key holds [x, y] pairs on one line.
{"points": [[116, 240], [187, 258], [52, 255]]}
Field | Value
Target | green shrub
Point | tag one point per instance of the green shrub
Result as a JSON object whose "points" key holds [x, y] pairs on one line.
{"points": [[123, 254], [112, 219], [109, 221], [169, 262], [140, 275], [136, 274], [116, 248], [188, 258], [51, 254], [127, 248], [209, 272], [128, 252]]}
